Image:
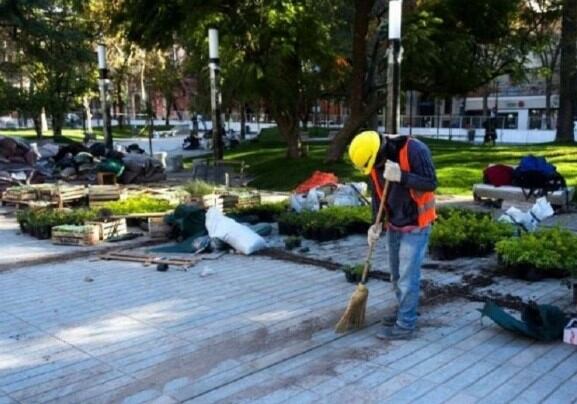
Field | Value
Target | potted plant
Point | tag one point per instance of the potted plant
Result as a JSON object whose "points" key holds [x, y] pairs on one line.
{"points": [[292, 242], [354, 273], [546, 253]]}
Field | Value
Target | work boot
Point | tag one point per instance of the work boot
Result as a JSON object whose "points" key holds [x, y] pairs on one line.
{"points": [[389, 320], [395, 333]]}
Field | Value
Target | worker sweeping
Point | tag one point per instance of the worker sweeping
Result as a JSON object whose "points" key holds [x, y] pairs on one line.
{"points": [[404, 164]]}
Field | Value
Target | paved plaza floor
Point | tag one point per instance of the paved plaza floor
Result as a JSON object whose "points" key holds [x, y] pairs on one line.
{"points": [[261, 330]]}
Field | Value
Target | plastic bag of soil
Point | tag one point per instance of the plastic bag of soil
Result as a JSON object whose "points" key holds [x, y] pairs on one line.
{"points": [[187, 221], [111, 166]]}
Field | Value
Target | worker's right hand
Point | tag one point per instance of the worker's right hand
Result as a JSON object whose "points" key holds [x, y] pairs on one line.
{"points": [[374, 233]]}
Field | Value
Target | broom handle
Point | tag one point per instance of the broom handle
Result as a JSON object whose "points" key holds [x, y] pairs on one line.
{"points": [[380, 213]]}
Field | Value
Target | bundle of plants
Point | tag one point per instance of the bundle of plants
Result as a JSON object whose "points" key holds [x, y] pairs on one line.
{"points": [[326, 224], [138, 204], [354, 273], [199, 188], [266, 212], [445, 212], [39, 223], [462, 233], [546, 253]]}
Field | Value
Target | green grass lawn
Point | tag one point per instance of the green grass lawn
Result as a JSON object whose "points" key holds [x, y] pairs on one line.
{"points": [[459, 165], [78, 134]]}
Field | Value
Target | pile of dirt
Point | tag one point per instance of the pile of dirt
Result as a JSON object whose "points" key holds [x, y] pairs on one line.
{"points": [[283, 255], [435, 294]]}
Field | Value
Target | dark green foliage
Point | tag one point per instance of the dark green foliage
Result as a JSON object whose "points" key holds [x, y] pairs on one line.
{"points": [[552, 252], [459, 233], [327, 224], [266, 212], [40, 222], [138, 204], [292, 242]]}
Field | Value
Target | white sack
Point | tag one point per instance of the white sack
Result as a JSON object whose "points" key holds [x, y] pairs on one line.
{"points": [[541, 210], [240, 237]]}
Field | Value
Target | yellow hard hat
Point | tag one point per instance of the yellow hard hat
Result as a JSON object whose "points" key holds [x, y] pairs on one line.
{"points": [[364, 149]]}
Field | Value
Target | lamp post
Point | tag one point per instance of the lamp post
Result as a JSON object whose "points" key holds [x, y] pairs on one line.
{"points": [[392, 124], [103, 84], [214, 67]]}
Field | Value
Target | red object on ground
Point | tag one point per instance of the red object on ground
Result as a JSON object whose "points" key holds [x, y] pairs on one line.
{"points": [[498, 175], [318, 179]]}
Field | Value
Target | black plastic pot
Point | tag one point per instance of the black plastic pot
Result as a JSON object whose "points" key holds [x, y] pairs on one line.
{"points": [[43, 232], [24, 226], [532, 274], [444, 253]]}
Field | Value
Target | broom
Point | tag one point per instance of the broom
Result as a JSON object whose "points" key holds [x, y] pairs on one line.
{"points": [[354, 315]]}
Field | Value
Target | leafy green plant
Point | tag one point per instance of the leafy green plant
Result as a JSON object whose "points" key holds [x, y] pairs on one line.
{"points": [[199, 188], [549, 251], [461, 233], [266, 212], [39, 222], [138, 204], [354, 273], [292, 242], [326, 224]]}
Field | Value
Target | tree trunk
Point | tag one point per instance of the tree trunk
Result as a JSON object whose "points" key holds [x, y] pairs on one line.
{"points": [[168, 102], [57, 124], [88, 113], [242, 121], [119, 105], [548, 91], [486, 103], [288, 127], [339, 143], [568, 81], [360, 29], [37, 125]]}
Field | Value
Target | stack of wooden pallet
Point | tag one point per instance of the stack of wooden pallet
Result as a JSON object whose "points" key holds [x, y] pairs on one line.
{"points": [[20, 195], [223, 202], [110, 228], [60, 194], [158, 229], [248, 199], [99, 195], [75, 235]]}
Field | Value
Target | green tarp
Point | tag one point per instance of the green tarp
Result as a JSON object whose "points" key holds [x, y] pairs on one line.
{"points": [[540, 322]]}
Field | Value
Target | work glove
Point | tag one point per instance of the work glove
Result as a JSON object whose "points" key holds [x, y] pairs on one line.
{"points": [[392, 171], [374, 233]]}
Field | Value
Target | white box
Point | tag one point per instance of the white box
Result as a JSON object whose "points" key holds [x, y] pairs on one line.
{"points": [[570, 332]]}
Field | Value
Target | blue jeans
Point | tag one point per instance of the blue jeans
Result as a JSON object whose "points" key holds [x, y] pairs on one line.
{"points": [[406, 254]]}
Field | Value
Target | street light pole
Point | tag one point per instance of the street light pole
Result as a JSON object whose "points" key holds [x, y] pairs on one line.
{"points": [[214, 66], [103, 84], [394, 68]]}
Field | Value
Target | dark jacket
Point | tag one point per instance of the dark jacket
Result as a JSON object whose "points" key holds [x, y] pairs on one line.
{"points": [[401, 209]]}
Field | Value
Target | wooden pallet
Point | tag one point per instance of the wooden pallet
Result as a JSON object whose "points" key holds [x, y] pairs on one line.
{"points": [[59, 195], [148, 260], [109, 229], [157, 228], [86, 235], [248, 200], [100, 195], [222, 202]]}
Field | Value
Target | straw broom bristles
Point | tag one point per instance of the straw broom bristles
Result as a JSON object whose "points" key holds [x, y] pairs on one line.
{"points": [[354, 315]]}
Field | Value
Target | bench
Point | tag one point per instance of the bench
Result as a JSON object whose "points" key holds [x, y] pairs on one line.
{"points": [[560, 199]]}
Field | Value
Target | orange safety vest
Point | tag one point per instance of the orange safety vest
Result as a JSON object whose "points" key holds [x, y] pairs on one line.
{"points": [[425, 201]]}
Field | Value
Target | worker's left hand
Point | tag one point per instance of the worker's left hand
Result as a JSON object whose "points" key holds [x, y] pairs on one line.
{"points": [[392, 171]]}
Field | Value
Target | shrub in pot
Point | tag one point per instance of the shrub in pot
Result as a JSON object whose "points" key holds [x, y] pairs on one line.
{"points": [[460, 233], [546, 253], [354, 273], [327, 224]]}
